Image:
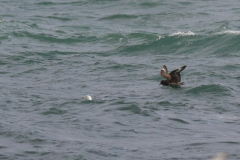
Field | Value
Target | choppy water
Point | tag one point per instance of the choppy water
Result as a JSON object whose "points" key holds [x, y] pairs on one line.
{"points": [[55, 52]]}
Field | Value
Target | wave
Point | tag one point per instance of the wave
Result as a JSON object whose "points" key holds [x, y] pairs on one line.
{"points": [[59, 18], [212, 89], [179, 43], [55, 39], [220, 44], [3, 38], [179, 120], [132, 108], [45, 3], [179, 34], [167, 103], [54, 111], [157, 44], [150, 4], [118, 16], [229, 32]]}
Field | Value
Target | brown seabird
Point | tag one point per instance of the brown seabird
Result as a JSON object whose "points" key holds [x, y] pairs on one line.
{"points": [[173, 78]]}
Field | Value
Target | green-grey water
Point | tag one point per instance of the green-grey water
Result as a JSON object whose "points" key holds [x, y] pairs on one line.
{"points": [[55, 52]]}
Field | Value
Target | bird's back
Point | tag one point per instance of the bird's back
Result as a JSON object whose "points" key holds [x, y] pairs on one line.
{"points": [[175, 75]]}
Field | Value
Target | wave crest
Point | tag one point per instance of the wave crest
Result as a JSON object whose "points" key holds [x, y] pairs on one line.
{"points": [[180, 34], [229, 32], [215, 89]]}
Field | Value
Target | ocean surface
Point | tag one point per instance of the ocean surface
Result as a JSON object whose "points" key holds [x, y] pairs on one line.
{"points": [[54, 52]]}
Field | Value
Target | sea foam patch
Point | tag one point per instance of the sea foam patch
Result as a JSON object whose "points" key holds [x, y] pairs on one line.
{"points": [[179, 34], [229, 32]]}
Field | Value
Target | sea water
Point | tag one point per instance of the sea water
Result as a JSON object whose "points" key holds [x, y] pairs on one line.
{"points": [[54, 52]]}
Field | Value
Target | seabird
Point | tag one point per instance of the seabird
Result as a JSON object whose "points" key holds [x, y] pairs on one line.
{"points": [[173, 78], [87, 97]]}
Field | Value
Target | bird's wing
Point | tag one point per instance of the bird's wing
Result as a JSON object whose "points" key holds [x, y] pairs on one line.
{"points": [[164, 73], [164, 68], [176, 77], [181, 69]]}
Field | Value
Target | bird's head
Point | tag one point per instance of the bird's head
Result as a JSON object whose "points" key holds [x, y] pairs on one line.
{"points": [[164, 83]]}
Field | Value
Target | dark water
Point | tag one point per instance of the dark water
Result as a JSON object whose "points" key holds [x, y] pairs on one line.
{"points": [[55, 52]]}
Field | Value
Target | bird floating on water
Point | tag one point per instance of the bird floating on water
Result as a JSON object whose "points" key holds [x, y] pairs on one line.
{"points": [[87, 97], [220, 156], [174, 78]]}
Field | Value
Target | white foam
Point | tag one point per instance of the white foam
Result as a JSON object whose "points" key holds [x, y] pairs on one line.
{"points": [[180, 34], [229, 32]]}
